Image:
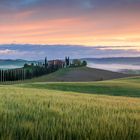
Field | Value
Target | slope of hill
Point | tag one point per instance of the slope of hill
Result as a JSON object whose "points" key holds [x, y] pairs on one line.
{"points": [[80, 74]]}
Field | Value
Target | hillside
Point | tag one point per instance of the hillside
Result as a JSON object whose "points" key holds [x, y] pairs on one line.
{"points": [[80, 74]]}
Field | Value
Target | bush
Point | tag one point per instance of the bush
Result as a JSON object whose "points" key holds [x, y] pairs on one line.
{"points": [[84, 63], [78, 63]]}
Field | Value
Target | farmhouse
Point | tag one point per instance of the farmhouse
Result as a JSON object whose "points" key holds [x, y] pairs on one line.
{"points": [[58, 63]]}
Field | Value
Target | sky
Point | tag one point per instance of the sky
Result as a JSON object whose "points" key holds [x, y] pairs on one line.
{"points": [[79, 22], [88, 23]]}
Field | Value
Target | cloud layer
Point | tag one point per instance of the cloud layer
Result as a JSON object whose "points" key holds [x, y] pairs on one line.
{"points": [[37, 52]]}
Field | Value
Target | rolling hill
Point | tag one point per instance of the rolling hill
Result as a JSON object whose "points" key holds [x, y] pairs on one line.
{"points": [[80, 74]]}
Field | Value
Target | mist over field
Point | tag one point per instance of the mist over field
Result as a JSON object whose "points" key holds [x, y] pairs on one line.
{"points": [[114, 67], [116, 64], [101, 57]]}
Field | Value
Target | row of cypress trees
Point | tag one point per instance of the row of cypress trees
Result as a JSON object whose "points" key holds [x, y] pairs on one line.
{"points": [[36, 71], [31, 71], [12, 75], [27, 72]]}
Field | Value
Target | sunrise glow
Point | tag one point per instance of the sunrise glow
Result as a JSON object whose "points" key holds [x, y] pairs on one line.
{"points": [[76, 22]]}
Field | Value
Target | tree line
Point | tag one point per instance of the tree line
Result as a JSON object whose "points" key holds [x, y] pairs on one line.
{"points": [[29, 71], [35, 70], [12, 75]]}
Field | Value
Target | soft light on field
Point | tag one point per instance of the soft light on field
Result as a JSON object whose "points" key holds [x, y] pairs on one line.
{"points": [[33, 113]]}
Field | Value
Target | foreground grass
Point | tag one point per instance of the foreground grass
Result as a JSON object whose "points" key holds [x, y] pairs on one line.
{"points": [[43, 114]]}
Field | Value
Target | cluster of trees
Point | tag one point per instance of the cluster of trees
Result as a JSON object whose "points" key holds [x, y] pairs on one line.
{"points": [[74, 62], [28, 71], [78, 63], [35, 70]]}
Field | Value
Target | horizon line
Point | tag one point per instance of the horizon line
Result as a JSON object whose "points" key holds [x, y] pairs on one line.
{"points": [[71, 45]]}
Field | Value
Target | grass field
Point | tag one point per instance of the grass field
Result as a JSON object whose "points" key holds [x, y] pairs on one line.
{"points": [[121, 87], [62, 111]]}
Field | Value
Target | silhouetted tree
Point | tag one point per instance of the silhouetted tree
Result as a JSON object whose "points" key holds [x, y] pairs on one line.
{"points": [[46, 62], [84, 63], [67, 61]]}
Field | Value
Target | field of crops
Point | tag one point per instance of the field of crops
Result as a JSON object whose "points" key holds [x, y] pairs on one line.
{"points": [[129, 87], [39, 112]]}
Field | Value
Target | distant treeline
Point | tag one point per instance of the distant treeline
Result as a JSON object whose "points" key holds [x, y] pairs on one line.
{"points": [[35, 70], [78, 63]]}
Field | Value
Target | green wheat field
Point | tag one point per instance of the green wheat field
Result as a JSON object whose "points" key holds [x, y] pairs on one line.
{"points": [[107, 110]]}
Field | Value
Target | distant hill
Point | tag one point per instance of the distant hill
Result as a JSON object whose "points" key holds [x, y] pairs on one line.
{"points": [[9, 63], [117, 60]]}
